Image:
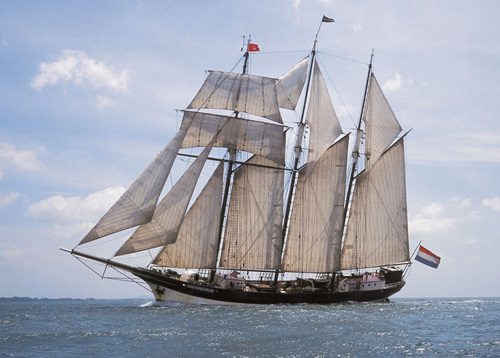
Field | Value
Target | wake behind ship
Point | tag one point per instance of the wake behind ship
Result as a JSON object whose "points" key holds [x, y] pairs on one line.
{"points": [[288, 214]]}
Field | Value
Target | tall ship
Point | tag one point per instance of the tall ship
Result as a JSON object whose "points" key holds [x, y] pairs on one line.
{"points": [[269, 213]]}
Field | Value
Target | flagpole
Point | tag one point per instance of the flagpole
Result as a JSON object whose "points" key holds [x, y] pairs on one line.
{"points": [[317, 34], [416, 248], [324, 19], [411, 257]]}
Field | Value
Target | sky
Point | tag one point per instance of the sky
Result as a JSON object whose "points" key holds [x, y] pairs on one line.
{"points": [[89, 92]]}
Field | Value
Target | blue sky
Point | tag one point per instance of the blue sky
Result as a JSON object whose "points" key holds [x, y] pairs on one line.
{"points": [[89, 92]]}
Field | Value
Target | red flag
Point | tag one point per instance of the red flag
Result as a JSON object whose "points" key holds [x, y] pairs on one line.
{"points": [[253, 47]]}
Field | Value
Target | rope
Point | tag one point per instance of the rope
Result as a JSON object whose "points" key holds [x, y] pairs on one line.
{"points": [[125, 279], [306, 52], [344, 58], [337, 92]]}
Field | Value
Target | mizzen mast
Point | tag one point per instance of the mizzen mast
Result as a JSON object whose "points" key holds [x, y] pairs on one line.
{"points": [[355, 150]]}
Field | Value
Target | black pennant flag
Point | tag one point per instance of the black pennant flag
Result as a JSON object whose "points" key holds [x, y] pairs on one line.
{"points": [[327, 19]]}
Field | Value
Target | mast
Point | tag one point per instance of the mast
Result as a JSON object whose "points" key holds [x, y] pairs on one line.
{"points": [[232, 159], [298, 151], [355, 150]]}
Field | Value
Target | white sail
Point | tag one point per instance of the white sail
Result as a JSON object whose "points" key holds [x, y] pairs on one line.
{"points": [[253, 230], [240, 93], [377, 230], [381, 125], [196, 244], [321, 118], [264, 139], [165, 224], [315, 232], [137, 205], [290, 85]]}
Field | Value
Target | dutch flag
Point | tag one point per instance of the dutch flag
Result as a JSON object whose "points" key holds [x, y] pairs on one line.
{"points": [[427, 257]]}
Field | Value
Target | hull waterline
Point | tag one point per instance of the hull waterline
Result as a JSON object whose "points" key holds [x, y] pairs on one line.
{"points": [[172, 290]]}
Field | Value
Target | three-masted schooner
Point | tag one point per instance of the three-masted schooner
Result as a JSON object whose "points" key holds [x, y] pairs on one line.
{"points": [[326, 226]]}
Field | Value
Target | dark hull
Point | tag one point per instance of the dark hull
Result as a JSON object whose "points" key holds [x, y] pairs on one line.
{"points": [[159, 282], [203, 293]]}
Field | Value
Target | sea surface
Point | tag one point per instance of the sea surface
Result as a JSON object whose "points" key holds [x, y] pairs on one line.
{"points": [[441, 327]]}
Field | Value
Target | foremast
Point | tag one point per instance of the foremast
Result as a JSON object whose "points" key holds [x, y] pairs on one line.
{"points": [[258, 96], [227, 186]]}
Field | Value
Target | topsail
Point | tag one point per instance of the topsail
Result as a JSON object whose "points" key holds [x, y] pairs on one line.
{"points": [[255, 95], [264, 139], [382, 127], [289, 86]]}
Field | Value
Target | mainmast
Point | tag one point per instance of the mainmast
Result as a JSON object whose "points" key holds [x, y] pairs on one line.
{"points": [[227, 187], [298, 152]]}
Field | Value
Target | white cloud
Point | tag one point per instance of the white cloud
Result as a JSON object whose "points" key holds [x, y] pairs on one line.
{"points": [[10, 156], [7, 199], [480, 147], [296, 3], [104, 102], [486, 138], [430, 220], [461, 203], [80, 69], [393, 84], [357, 27], [492, 203], [474, 215], [464, 205], [69, 231], [75, 209], [9, 252]]}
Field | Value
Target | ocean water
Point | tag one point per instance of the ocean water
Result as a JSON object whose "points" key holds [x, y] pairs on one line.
{"points": [[137, 328]]}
